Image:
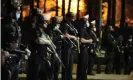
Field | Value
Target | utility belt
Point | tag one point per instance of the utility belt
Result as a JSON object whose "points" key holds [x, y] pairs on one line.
{"points": [[89, 46]]}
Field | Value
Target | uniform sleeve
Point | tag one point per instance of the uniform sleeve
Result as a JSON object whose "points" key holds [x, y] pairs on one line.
{"points": [[94, 37], [111, 40], [64, 28], [82, 34]]}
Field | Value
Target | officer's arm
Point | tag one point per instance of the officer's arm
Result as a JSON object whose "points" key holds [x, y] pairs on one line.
{"points": [[86, 40], [82, 35], [57, 38], [40, 40], [64, 30], [70, 36]]}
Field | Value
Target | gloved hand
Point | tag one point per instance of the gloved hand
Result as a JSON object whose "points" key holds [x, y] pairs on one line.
{"points": [[62, 36], [28, 52]]}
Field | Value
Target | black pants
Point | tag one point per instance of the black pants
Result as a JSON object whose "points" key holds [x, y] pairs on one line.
{"points": [[118, 62], [67, 59], [128, 63], [55, 67], [11, 69], [99, 62], [38, 69], [82, 64], [109, 61], [91, 59]]}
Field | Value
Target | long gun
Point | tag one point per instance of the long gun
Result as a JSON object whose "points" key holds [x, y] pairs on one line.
{"points": [[53, 48], [114, 42], [66, 38], [78, 42]]}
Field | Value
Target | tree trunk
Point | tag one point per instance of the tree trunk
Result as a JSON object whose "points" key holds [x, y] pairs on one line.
{"points": [[32, 4], [100, 20], [122, 21], [63, 8], [21, 17], [69, 6], [38, 3], [90, 9], [44, 6], [78, 9], [56, 7], [109, 13], [113, 12]]}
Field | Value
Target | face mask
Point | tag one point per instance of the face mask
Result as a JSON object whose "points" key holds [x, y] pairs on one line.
{"points": [[17, 15]]}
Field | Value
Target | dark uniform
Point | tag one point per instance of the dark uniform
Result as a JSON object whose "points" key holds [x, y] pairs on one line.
{"points": [[129, 56], [55, 34], [83, 56], [119, 56], [38, 63], [11, 41], [67, 48], [109, 50], [92, 49]]}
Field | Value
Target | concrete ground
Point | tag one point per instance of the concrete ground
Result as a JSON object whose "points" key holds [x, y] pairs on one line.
{"points": [[101, 76]]}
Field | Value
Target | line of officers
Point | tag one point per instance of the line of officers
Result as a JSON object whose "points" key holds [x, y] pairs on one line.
{"points": [[55, 43]]}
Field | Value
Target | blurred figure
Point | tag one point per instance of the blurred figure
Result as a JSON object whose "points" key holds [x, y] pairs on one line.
{"points": [[119, 55], [11, 43], [39, 64], [56, 36], [92, 47], [70, 33], [83, 55], [129, 55], [110, 44]]}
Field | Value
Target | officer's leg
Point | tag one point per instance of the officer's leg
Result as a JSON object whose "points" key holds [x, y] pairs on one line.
{"points": [[109, 62], [82, 65], [15, 75], [79, 66], [44, 71], [15, 69], [126, 70], [85, 68], [90, 64], [56, 70], [130, 62], [65, 59], [117, 63], [6, 74], [33, 69], [98, 64], [52, 66], [70, 68], [56, 66]]}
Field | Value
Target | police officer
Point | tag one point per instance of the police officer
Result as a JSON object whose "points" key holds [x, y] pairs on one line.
{"points": [[69, 32], [129, 55], [110, 44], [92, 48], [11, 42], [83, 56], [38, 63], [56, 36], [119, 55]]}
